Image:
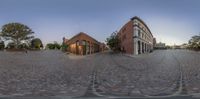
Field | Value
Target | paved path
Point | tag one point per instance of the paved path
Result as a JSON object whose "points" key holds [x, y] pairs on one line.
{"points": [[161, 74]]}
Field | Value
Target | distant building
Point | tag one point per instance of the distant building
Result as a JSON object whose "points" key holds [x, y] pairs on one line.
{"points": [[136, 38], [103, 47], [184, 46], [160, 46], [176, 47], [83, 44], [154, 42]]}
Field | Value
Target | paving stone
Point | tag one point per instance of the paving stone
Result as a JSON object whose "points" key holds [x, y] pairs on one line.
{"points": [[48, 73]]}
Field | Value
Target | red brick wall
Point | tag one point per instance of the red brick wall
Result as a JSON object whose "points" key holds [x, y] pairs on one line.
{"points": [[82, 36], [126, 37], [93, 44]]}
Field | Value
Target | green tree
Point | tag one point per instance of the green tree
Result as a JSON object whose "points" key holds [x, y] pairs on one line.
{"points": [[113, 42], [36, 43], [194, 42], [16, 32], [57, 46], [10, 45], [64, 46], [53, 46], [2, 45], [23, 46], [50, 46]]}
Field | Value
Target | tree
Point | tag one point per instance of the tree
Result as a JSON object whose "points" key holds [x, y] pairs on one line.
{"points": [[16, 32], [36, 43], [64, 46], [194, 42], [2, 45], [57, 46], [10, 45], [23, 46], [113, 42], [52, 46]]}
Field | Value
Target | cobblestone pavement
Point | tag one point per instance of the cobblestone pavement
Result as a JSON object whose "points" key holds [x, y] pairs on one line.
{"points": [[146, 75], [53, 73], [45, 73], [161, 73], [190, 62]]}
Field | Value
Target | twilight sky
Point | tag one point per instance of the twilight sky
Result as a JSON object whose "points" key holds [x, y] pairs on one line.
{"points": [[170, 21]]}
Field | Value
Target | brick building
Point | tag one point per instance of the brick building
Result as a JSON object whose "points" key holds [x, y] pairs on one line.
{"points": [[83, 44], [136, 37], [154, 42]]}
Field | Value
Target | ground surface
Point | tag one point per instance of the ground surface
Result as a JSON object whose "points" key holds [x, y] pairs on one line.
{"points": [[53, 73]]}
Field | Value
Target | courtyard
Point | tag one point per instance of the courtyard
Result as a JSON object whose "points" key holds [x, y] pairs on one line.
{"points": [[54, 73]]}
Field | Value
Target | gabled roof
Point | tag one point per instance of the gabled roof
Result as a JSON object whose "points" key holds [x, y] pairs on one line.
{"points": [[82, 33]]}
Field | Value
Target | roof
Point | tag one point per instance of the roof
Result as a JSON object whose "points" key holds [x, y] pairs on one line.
{"points": [[135, 17], [82, 33]]}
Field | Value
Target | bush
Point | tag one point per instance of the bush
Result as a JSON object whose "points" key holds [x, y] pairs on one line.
{"points": [[36, 43], [53, 46]]}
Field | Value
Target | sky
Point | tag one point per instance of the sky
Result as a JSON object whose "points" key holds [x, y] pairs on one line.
{"points": [[170, 21]]}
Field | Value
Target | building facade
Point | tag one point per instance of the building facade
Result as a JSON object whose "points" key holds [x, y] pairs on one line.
{"points": [[154, 42], [135, 37], [82, 44], [160, 45]]}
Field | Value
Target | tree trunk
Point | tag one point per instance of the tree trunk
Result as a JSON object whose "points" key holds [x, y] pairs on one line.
{"points": [[17, 44]]}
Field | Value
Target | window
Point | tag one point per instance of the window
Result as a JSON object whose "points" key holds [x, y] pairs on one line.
{"points": [[83, 42], [138, 24], [142, 35], [138, 33], [77, 43], [135, 22]]}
